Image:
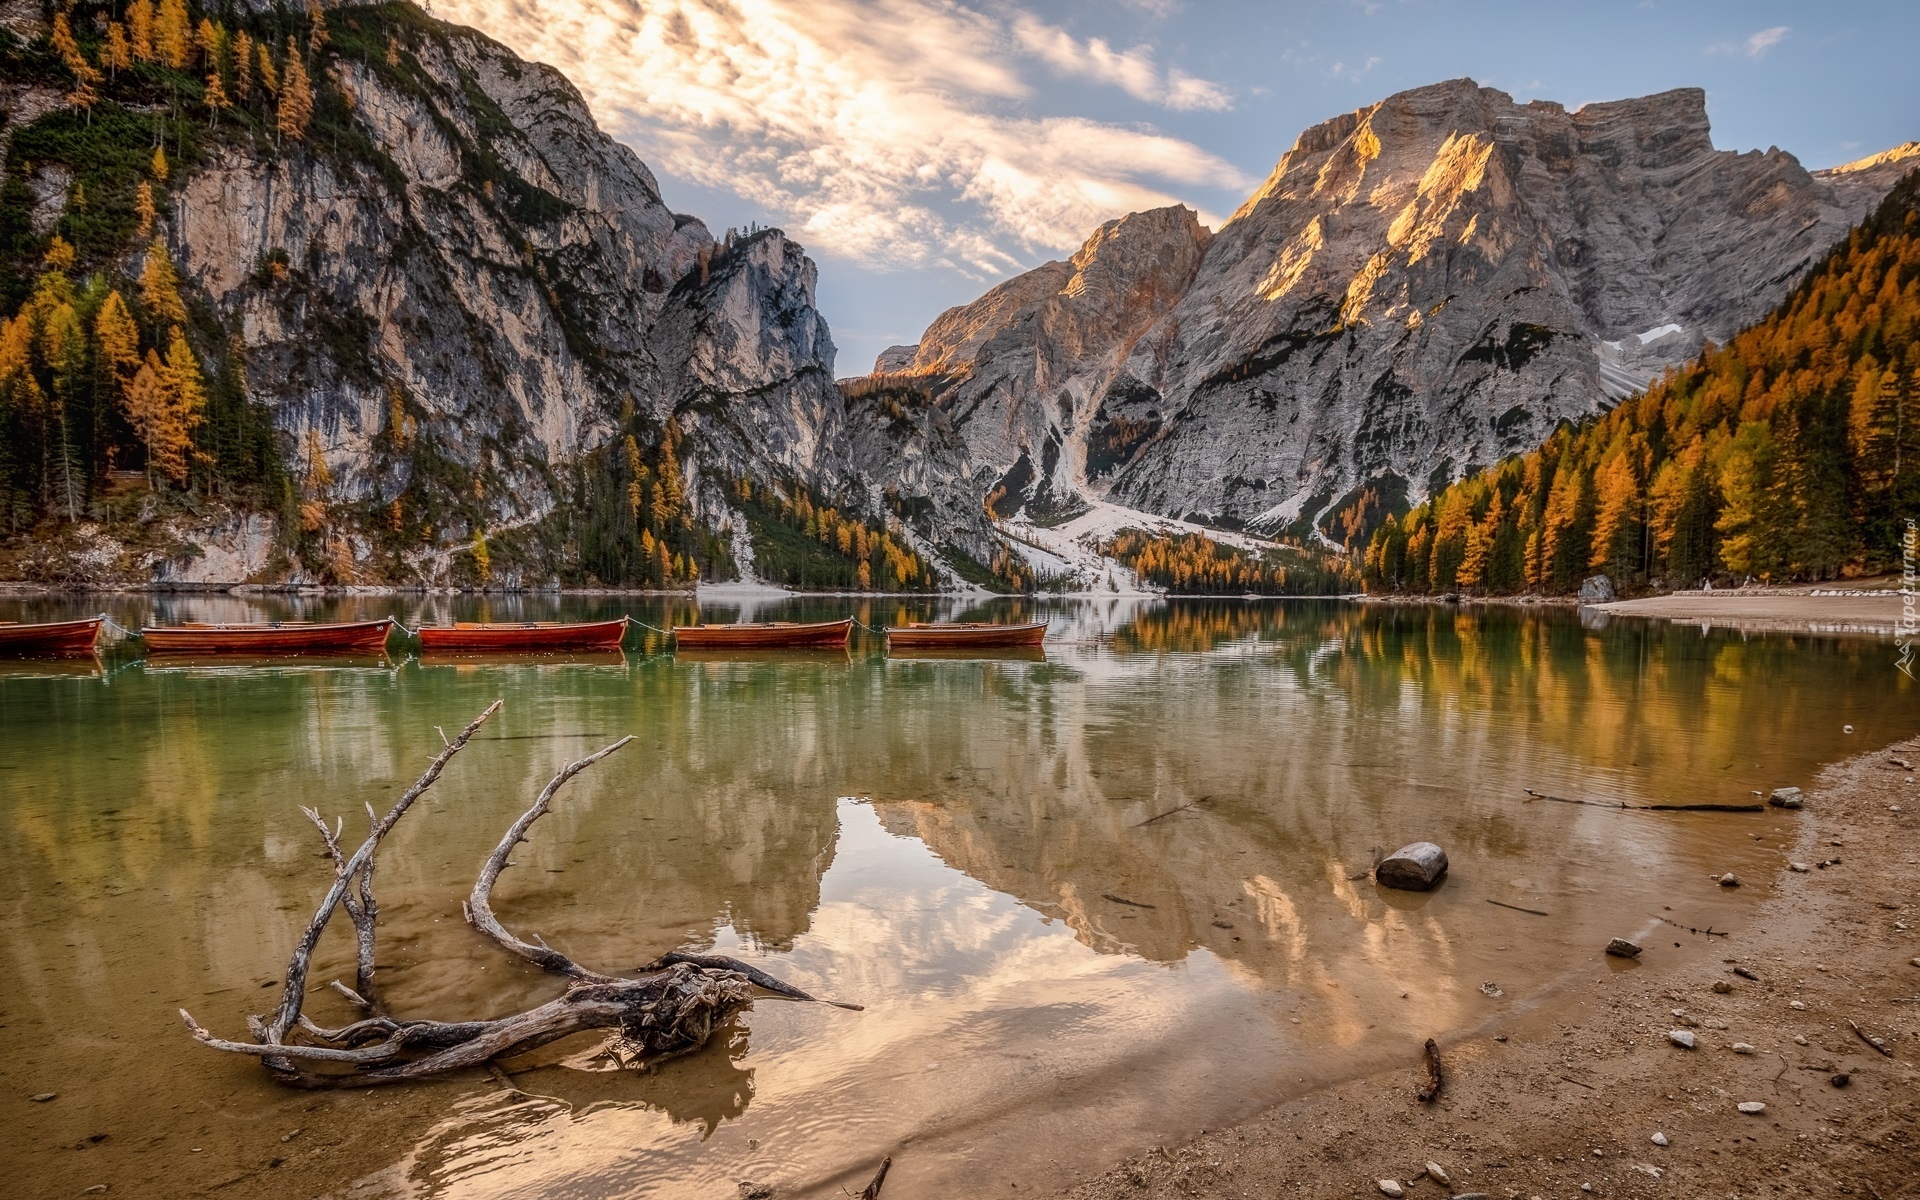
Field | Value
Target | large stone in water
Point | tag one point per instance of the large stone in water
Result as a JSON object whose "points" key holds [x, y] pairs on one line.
{"points": [[1786, 797], [1415, 868], [1598, 589]]}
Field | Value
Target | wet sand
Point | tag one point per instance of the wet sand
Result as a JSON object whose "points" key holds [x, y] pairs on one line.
{"points": [[1851, 609], [1572, 1091]]}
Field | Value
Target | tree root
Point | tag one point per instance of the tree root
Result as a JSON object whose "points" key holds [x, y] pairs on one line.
{"points": [[670, 1007]]}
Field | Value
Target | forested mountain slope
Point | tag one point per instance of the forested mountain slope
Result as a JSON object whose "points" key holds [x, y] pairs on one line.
{"points": [[348, 294], [1790, 452]]}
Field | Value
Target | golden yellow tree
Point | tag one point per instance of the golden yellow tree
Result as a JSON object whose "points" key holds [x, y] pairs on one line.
{"points": [[173, 33], [296, 97], [59, 255], [268, 78], [118, 55], [242, 65], [143, 209], [140, 29], [116, 335], [160, 286], [216, 94], [158, 164], [317, 35], [144, 401], [69, 50], [211, 40]]}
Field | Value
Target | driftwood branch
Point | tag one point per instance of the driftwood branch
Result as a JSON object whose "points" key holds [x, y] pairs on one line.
{"points": [[1870, 1040], [670, 1008], [872, 1190]]}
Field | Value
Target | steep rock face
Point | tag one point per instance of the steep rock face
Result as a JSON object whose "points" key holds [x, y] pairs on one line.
{"points": [[1039, 354], [504, 279], [1422, 285]]}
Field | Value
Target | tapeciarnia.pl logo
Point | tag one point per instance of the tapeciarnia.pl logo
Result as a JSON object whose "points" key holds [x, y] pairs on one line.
{"points": [[1909, 624]]}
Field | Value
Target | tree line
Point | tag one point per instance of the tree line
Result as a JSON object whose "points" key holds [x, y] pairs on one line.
{"points": [[1194, 564], [800, 540], [1790, 453]]}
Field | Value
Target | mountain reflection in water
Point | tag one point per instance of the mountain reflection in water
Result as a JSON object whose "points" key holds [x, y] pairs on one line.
{"points": [[1092, 902]]}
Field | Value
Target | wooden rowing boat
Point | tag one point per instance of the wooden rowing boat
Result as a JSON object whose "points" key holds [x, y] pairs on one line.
{"points": [[53, 639], [524, 636], [763, 635], [968, 634], [270, 639]]}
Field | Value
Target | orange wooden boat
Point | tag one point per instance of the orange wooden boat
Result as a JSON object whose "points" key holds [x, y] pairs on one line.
{"points": [[54, 639], [764, 635], [523, 636], [268, 639], [964, 635]]}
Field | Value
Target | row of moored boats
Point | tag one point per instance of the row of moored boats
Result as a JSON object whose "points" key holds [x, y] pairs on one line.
{"points": [[62, 638]]}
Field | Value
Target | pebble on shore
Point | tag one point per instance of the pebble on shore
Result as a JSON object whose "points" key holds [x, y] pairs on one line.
{"points": [[1682, 1038]]}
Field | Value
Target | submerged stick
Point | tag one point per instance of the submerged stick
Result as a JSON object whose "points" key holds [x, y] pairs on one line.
{"points": [[1160, 816], [1741, 808], [1428, 1093], [872, 1190], [1515, 907]]}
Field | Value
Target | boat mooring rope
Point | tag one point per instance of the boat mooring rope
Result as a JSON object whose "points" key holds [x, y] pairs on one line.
{"points": [[117, 627]]}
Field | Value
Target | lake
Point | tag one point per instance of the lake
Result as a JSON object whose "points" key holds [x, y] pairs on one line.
{"points": [[1092, 902]]}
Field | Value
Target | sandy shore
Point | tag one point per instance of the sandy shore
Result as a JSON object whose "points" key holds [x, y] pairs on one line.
{"points": [[1564, 1100], [1852, 609]]}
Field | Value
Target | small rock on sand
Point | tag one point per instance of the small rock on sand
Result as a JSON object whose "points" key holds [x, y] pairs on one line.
{"points": [[1799, 867], [1391, 1187], [1622, 948], [43, 1097], [1439, 1175], [1682, 1038], [1415, 867], [1743, 1048], [1788, 797], [1729, 880], [1660, 1139], [1722, 986], [1752, 1108]]}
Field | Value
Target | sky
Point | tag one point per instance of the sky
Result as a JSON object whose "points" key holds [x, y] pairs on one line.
{"points": [[924, 150]]}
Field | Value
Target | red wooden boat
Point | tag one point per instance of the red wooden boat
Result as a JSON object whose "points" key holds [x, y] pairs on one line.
{"points": [[964, 634], [54, 639], [265, 639], [764, 635], [524, 636]]}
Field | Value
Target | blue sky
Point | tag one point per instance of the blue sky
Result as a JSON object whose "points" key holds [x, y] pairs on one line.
{"points": [[923, 150]]}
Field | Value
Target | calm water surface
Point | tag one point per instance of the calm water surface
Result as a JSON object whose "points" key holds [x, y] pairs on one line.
{"points": [[1091, 902]]}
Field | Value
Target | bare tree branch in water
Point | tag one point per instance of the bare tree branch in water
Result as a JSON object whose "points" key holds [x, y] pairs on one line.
{"points": [[669, 1007]]}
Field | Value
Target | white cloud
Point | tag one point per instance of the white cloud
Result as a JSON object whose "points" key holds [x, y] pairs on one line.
{"points": [[889, 131], [1755, 46], [1133, 71], [1765, 40], [1342, 71]]}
